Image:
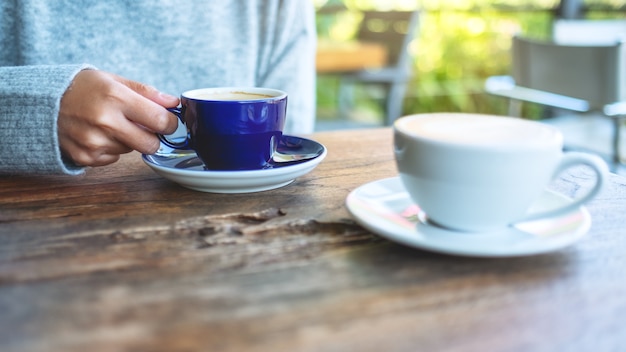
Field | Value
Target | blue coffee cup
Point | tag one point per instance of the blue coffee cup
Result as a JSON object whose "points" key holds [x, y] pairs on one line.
{"points": [[231, 128]]}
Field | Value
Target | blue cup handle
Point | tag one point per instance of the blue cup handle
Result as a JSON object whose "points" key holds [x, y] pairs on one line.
{"points": [[172, 144]]}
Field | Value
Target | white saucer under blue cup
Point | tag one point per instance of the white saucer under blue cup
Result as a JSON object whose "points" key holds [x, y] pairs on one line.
{"points": [[186, 169], [385, 208]]}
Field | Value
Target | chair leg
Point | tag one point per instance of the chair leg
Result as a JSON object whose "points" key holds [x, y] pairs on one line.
{"points": [[394, 102], [617, 158], [345, 98], [515, 108]]}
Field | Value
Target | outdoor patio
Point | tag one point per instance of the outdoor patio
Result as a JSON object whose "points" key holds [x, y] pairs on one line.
{"points": [[457, 46]]}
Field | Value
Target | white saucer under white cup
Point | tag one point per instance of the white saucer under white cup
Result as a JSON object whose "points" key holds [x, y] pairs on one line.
{"points": [[385, 208], [476, 185]]}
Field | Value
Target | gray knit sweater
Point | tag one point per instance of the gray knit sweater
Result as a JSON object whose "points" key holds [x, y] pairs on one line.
{"points": [[174, 45]]}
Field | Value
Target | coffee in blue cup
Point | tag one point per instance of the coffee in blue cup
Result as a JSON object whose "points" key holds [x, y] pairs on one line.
{"points": [[232, 128]]}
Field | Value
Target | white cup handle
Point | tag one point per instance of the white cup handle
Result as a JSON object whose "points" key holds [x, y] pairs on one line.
{"points": [[569, 160]]}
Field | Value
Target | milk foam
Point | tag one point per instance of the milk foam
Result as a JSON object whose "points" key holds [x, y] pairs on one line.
{"points": [[229, 96], [474, 129]]}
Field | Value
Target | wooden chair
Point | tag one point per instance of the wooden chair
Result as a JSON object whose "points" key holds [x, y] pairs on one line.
{"points": [[579, 78], [395, 30]]}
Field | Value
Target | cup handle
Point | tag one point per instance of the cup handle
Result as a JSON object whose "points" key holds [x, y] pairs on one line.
{"points": [[172, 144], [569, 160]]}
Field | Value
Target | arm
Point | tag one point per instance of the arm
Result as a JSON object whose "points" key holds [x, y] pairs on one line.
{"points": [[29, 105], [58, 119]]}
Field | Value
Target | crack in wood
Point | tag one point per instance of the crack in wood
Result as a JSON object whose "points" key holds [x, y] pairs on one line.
{"points": [[263, 226]]}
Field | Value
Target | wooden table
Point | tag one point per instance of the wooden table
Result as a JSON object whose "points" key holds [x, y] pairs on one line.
{"points": [[123, 260], [333, 57]]}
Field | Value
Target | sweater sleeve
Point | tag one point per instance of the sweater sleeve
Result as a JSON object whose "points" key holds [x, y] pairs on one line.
{"points": [[30, 98], [288, 60]]}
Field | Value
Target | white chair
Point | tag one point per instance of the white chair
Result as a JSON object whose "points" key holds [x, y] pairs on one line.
{"points": [[588, 32], [579, 78]]}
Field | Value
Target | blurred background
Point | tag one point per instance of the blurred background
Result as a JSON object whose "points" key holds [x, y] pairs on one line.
{"points": [[457, 45]]}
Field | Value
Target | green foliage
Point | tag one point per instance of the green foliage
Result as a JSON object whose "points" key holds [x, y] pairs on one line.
{"points": [[458, 50]]}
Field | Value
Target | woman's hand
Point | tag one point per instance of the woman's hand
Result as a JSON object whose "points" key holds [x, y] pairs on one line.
{"points": [[103, 115]]}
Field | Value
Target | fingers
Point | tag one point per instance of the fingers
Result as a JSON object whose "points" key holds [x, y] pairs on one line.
{"points": [[90, 156], [88, 146], [144, 105], [128, 133], [136, 123], [149, 113], [149, 92]]}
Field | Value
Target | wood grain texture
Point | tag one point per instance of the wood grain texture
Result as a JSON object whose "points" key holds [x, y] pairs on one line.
{"points": [[122, 260]]}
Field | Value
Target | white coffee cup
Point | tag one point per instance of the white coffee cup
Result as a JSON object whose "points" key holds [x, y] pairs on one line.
{"points": [[472, 172]]}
